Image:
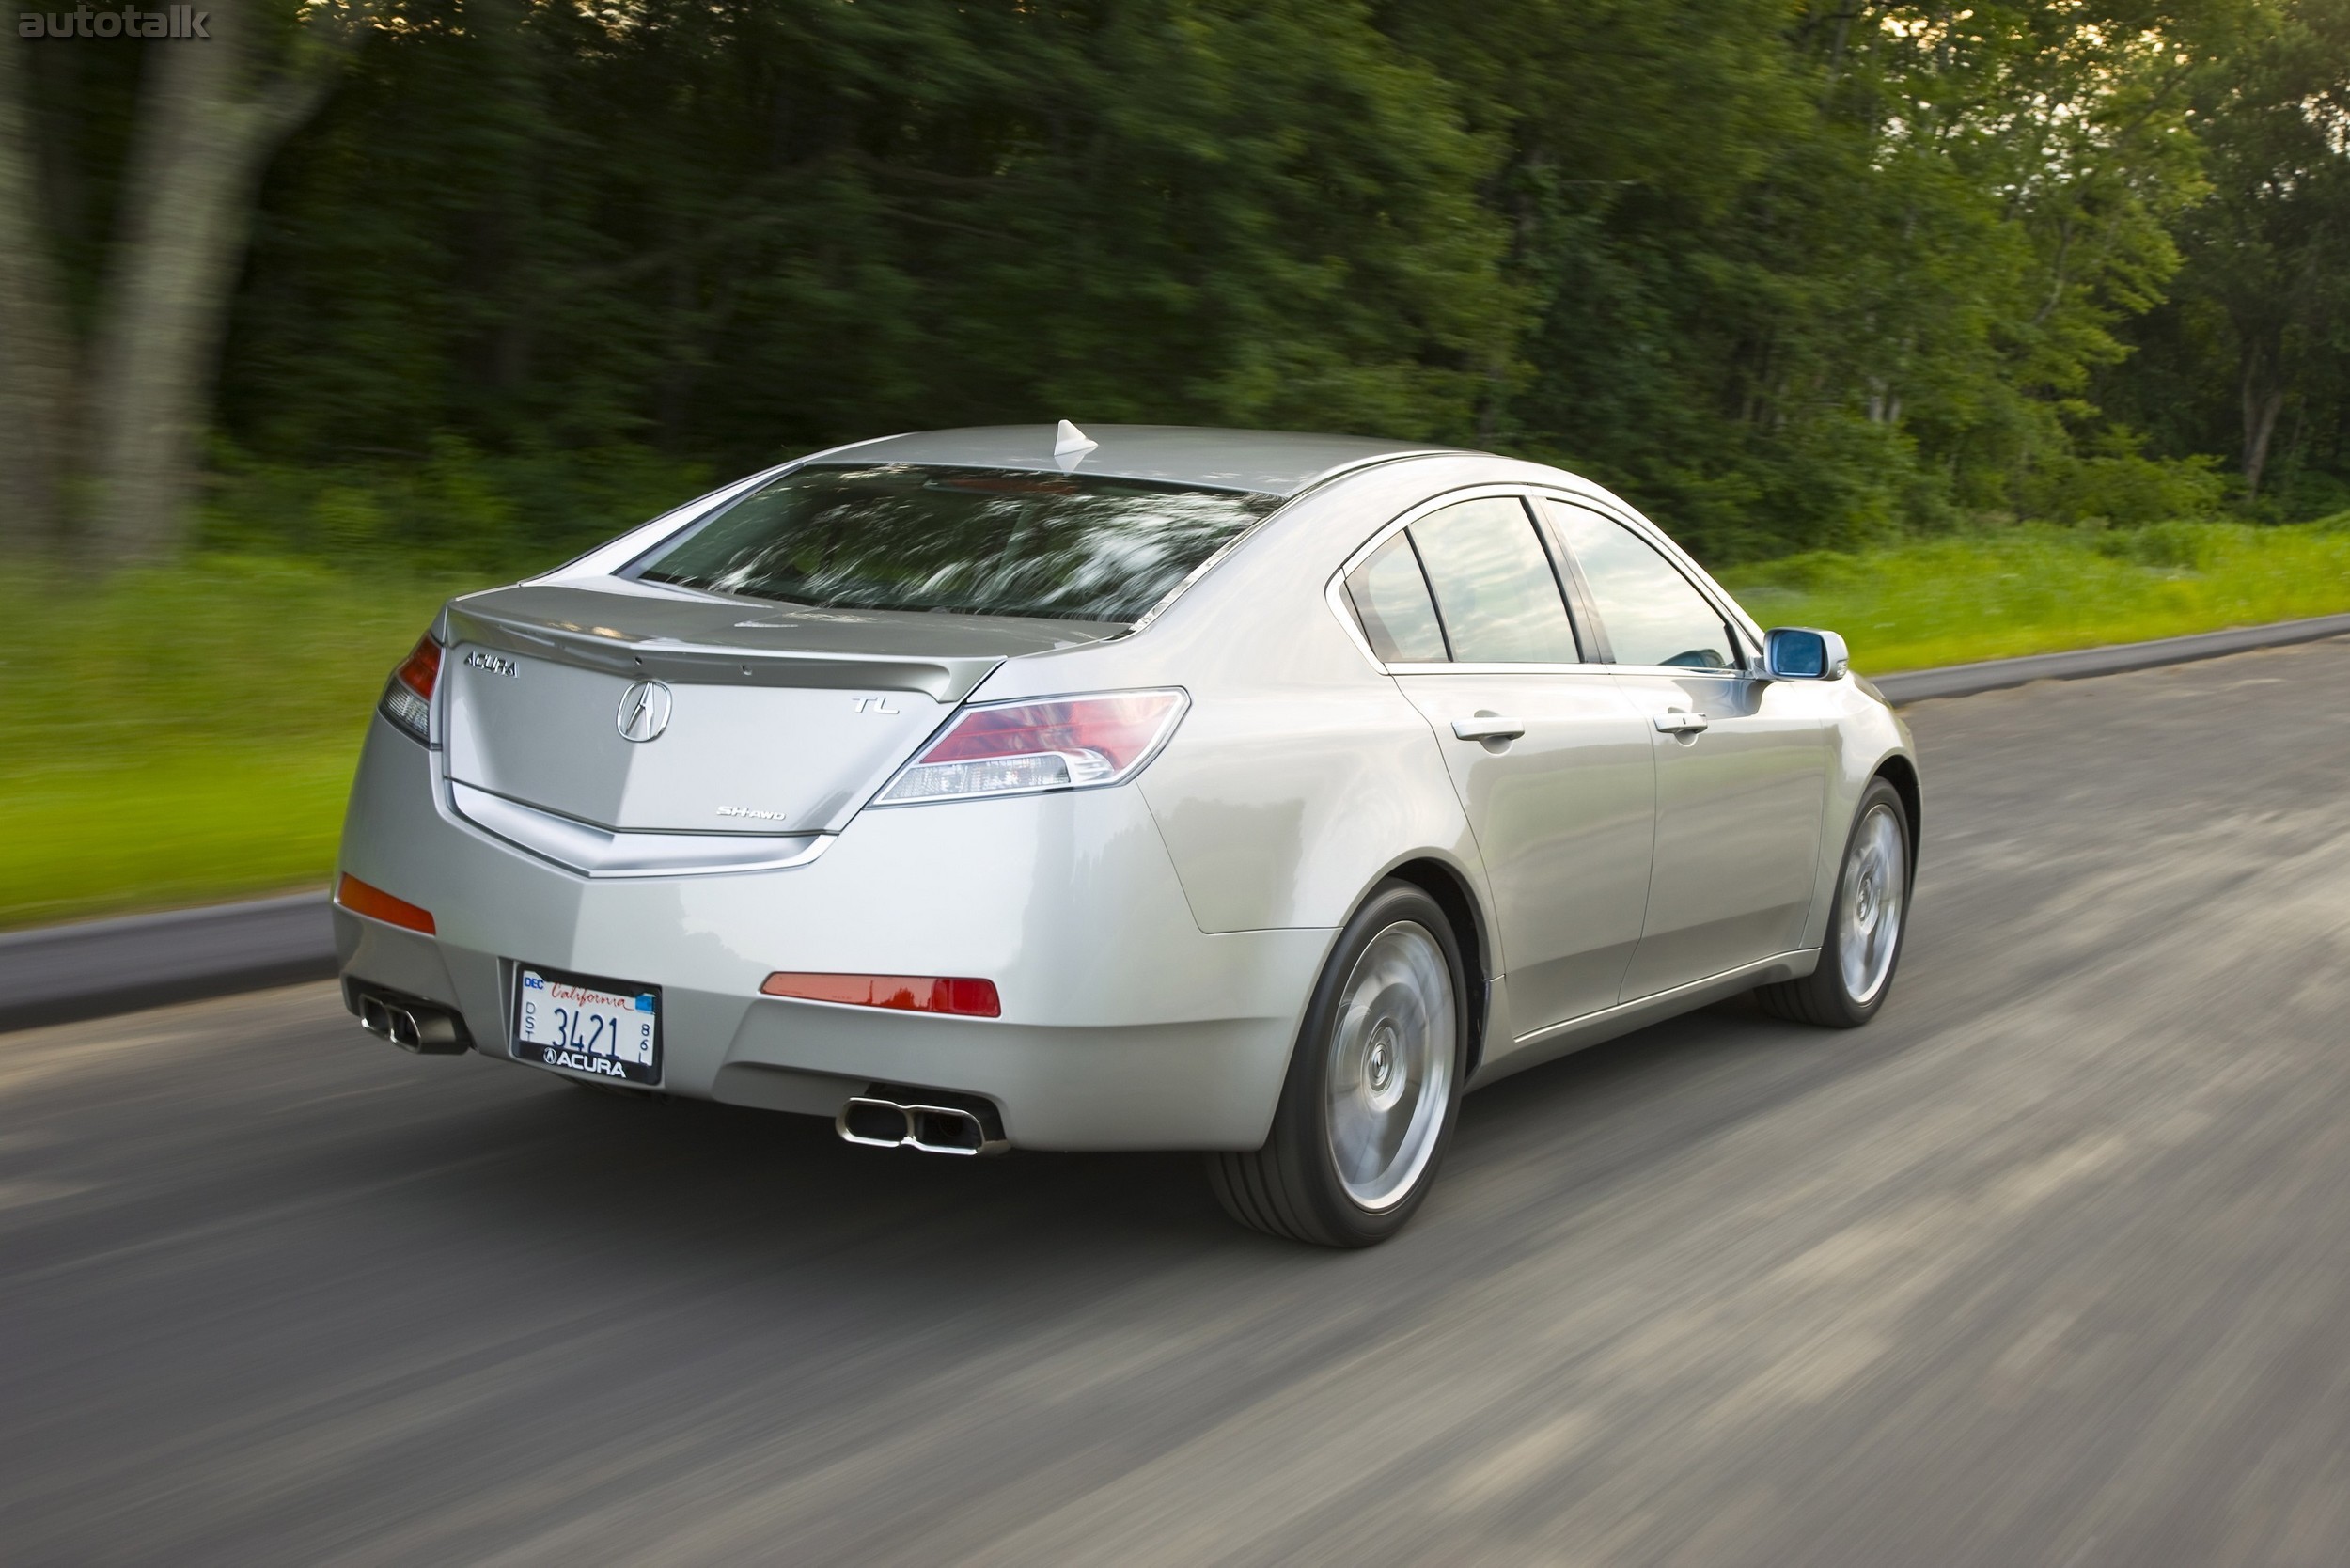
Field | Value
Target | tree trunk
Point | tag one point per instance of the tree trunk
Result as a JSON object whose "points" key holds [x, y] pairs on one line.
{"points": [[2263, 402], [206, 130], [35, 340]]}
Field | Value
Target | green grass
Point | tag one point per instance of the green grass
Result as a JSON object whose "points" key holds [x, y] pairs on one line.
{"points": [[2042, 591], [182, 735]]}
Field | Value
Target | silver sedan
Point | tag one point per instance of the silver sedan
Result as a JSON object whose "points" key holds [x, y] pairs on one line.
{"points": [[1253, 793]]}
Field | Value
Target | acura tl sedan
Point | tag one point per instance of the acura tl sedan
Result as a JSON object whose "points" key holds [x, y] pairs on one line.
{"points": [[1253, 793]]}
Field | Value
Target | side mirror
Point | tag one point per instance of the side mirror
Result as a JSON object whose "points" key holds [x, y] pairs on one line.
{"points": [[1804, 654]]}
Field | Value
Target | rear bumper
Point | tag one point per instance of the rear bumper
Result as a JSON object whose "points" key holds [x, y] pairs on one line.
{"points": [[1124, 1026]]}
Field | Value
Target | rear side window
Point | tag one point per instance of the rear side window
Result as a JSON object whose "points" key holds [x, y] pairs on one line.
{"points": [[1652, 614], [1493, 585], [973, 540], [1391, 601]]}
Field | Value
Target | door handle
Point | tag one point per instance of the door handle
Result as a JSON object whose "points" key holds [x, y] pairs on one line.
{"points": [[1678, 723], [1489, 727]]}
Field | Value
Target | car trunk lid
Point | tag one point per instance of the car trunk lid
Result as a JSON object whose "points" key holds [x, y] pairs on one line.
{"points": [[740, 717]]}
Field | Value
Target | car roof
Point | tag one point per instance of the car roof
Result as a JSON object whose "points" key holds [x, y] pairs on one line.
{"points": [[1271, 462]]}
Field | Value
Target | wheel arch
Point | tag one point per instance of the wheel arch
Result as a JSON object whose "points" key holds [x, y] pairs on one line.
{"points": [[1443, 882], [1901, 772]]}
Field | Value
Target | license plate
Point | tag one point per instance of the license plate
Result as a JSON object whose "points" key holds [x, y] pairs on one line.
{"points": [[606, 1029]]}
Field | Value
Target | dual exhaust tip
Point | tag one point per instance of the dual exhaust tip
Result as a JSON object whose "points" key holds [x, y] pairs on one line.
{"points": [[933, 1121], [428, 1031]]}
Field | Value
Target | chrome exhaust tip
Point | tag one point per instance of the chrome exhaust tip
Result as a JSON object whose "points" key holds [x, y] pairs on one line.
{"points": [[945, 1130], [427, 1031], [875, 1123], [971, 1129]]}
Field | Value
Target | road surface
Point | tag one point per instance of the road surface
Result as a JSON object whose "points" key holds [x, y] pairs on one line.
{"points": [[2051, 1266]]}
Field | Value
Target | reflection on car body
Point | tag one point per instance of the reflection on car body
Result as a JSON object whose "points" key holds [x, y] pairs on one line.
{"points": [[1157, 787]]}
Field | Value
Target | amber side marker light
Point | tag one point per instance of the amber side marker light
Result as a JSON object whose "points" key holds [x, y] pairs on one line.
{"points": [[965, 998], [376, 904]]}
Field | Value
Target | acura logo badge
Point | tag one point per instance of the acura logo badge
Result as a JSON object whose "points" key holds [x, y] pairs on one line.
{"points": [[644, 711]]}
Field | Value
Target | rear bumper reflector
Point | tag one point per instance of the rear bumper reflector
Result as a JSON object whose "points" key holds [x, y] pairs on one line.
{"points": [[376, 904], [965, 998]]}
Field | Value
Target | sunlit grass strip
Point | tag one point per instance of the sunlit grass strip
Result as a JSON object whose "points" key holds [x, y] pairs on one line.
{"points": [[1996, 596], [179, 735]]}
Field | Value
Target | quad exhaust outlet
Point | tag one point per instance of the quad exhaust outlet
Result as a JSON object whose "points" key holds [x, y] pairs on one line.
{"points": [[888, 1116], [428, 1031]]}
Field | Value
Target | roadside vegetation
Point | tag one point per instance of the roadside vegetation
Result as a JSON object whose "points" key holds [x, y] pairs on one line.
{"points": [[2013, 591], [201, 722], [199, 726]]}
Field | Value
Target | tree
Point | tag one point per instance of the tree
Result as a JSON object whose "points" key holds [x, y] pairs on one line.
{"points": [[741, 229], [2262, 315], [212, 112], [35, 350]]}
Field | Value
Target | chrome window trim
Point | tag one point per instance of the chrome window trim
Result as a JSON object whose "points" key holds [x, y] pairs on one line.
{"points": [[1745, 625], [1327, 477], [1449, 669], [1334, 591]]}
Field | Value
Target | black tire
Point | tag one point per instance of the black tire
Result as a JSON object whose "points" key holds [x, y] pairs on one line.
{"points": [[1294, 1186], [1827, 997]]}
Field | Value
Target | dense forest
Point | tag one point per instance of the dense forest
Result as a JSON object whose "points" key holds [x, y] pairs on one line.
{"points": [[491, 275]]}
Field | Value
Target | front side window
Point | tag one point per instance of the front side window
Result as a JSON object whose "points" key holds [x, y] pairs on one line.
{"points": [[1493, 585], [971, 540], [1652, 613]]}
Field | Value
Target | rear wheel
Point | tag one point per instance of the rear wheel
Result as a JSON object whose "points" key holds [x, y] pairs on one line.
{"points": [[1864, 927], [1373, 1086]]}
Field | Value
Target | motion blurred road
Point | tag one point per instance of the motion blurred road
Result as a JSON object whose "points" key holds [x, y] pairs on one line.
{"points": [[2049, 1265]]}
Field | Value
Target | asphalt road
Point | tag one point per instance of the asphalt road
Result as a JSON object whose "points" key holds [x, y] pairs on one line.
{"points": [[2051, 1266]]}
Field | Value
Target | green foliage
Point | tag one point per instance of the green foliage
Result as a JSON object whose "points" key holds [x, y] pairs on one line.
{"points": [[458, 508], [742, 229], [1816, 275], [198, 727], [1789, 275], [2038, 588], [2250, 356], [2120, 486]]}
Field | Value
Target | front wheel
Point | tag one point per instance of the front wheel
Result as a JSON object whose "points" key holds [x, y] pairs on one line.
{"points": [[1865, 925], [1373, 1087]]}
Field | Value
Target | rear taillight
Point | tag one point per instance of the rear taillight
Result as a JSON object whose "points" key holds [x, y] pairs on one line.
{"points": [[1069, 743], [408, 695]]}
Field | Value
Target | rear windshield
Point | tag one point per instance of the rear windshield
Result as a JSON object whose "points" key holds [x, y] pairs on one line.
{"points": [[975, 541]]}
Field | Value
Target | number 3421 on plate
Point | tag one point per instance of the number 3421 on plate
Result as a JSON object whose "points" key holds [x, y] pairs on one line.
{"points": [[604, 1028]]}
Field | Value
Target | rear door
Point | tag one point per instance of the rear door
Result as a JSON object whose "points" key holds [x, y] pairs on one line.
{"points": [[1551, 762], [1741, 763]]}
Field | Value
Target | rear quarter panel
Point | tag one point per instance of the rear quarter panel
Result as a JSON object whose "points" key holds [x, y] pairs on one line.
{"points": [[1301, 774]]}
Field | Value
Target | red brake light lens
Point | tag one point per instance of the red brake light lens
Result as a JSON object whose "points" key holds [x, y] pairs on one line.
{"points": [[376, 904], [965, 998], [1070, 743], [408, 695]]}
